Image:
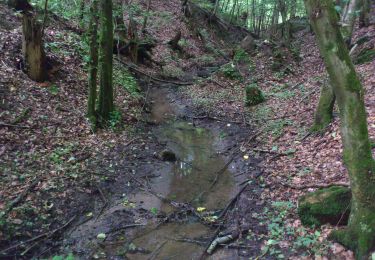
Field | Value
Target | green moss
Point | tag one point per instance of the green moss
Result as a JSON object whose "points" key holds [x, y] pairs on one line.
{"points": [[361, 240], [325, 206], [253, 95], [365, 56], [353, 82]]}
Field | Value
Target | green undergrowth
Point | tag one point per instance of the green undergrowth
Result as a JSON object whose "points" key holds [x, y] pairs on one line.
{"points": [[124, 79], [230, 71], [66, 8], [365, 56], [299, 240]]}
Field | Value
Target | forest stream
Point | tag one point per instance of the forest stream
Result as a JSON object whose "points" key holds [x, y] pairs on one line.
{"points": [[200, 177]]}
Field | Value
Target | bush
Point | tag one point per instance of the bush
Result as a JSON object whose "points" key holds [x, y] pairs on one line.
{"points": [[253, 95], [230, 71]]}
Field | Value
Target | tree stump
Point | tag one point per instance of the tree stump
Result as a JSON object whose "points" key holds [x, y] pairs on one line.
{"points": [[32, 47]]}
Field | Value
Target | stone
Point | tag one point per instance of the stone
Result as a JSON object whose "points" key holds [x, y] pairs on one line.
{"points": [[330, 205]]}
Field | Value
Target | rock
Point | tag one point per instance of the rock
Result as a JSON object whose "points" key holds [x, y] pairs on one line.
{"points": [[168, 155], [253, 95], [248, 43], [331, 205]]}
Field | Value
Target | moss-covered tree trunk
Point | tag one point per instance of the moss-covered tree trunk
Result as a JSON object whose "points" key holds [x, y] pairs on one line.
{"points": [[32, 47], [106, 62], [93, 70], [360, 232], [324, 111]]}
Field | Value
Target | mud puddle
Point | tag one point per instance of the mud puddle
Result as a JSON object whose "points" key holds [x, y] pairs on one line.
{"points": [[189, 179]]}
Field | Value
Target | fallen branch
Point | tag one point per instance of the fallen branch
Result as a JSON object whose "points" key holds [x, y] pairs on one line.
{"points": [[308, 186], [157, 251], [134, 67], [219, 172], [16, 126], [44, 235]]}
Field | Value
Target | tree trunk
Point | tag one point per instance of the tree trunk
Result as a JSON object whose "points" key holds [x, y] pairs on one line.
{"points": [[32, 47], [93, 70], [145, 19], [324, 111], [364, 18], [106, 62], [360, 233], [348, 20]]}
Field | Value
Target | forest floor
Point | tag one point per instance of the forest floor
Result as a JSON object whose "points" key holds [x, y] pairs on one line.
{"points": [[65, 189]]}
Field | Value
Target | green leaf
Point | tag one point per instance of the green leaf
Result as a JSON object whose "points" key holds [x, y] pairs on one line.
{"points": [[338, 8]]}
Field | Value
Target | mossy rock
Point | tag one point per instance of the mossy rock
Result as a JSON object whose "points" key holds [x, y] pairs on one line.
{"points": [[253, 95], [365, 56], [167, 155], [331, 205]]}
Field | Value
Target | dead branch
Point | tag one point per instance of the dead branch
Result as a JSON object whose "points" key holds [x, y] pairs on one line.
{"points": [[318, 185], [136, 69], [16, 126], [44, 235]]}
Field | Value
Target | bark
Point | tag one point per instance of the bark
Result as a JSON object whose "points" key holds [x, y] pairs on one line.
{"points": [[286, 25], [360, 232], [106, 62], [145, 19], [93, 70], [324, 111], [364, 18], [32, 47], [348, 20]]}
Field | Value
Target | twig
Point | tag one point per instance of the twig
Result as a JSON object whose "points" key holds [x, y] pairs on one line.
{"points": [[17, 126], [222, 170], [105, 201], [19, 118], [157, 251], [47, 235], [232, 201], [125, 227]]}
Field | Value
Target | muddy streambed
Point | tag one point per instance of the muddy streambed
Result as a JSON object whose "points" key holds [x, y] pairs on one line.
{"points": [[157, 227]]}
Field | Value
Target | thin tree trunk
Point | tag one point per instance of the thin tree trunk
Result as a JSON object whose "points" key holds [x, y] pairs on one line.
{"points": [[360, 232], [348, 20], [324, 111], [146, 16], [32, 47], [106, 62], [93, 70], [364, 18]]}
